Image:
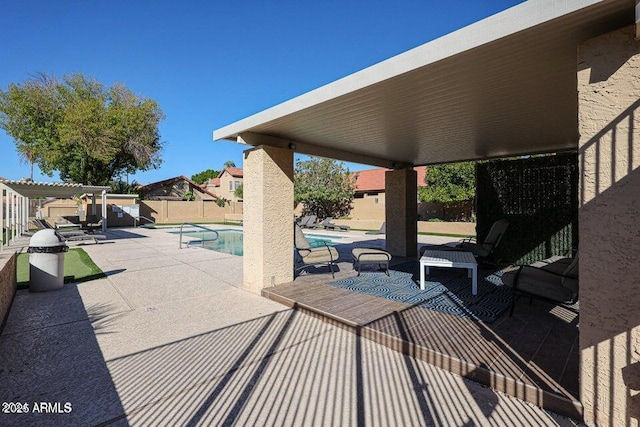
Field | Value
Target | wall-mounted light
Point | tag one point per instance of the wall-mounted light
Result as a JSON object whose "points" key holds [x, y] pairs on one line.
{"points": [[292, 146]]}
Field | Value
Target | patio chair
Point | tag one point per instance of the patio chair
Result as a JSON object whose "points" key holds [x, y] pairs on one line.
{"points": [[317, 255], [328, 225], [43, 225], [93, 222], [311, 222], [555, 281], [302, 222], [84, 236], [383, 230], [488, 246]]}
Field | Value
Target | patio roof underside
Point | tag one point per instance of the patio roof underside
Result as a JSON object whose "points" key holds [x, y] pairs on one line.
{"points": [[501, 87]]}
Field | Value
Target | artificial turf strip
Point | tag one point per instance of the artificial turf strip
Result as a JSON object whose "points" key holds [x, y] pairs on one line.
{"points": [[78, 267]]}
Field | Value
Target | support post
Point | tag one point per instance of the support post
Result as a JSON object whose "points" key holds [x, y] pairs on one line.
{"points": [[268, 217], [401, 212], [104, 209], [609, 196]]}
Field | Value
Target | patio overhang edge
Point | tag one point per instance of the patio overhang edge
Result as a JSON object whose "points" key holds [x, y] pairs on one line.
{"points": [[255, 139], [523, 101]]}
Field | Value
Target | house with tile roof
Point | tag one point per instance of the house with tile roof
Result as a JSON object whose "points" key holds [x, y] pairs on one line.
{"points": [[369, 200], [371, 181], [175, 189], [226, 183]]}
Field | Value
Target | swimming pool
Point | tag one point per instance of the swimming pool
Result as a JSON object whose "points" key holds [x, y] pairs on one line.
{"points": [[230, 241]]}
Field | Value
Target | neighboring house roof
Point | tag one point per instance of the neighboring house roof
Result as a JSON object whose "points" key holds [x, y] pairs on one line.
{"points": [[160, 184], [211, 182], [373, 179], [234, 172]]}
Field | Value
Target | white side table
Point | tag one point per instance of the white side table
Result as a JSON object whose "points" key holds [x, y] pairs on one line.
{"points": [[450, 259]]}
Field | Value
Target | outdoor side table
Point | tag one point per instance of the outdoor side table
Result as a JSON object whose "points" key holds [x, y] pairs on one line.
{"points": [[450, 259]]}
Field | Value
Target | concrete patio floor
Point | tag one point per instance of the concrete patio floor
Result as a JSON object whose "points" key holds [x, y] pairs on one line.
{"points": [[170, 338]]}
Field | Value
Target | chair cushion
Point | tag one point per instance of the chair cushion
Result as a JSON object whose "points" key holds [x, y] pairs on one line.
{"points": [[372, 255], [570, 280], [537, 281], [300, 241], [477, 249], [319, 254]]}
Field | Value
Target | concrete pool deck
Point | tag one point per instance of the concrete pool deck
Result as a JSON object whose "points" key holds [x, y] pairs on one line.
{"points": [[169, 337]]}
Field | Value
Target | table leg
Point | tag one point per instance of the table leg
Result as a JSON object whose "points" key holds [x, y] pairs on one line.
{"points": [[474, 280], [422, 267]]}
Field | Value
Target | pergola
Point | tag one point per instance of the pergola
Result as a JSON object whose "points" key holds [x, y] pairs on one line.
{"points": [[14, 202], [544, 76]]}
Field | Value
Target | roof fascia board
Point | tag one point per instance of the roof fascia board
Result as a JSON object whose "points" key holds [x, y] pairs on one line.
{"points": [[500, 25], [256, 139]]}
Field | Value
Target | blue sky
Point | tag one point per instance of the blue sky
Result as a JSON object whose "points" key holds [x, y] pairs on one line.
{"points": [[210, 63]]}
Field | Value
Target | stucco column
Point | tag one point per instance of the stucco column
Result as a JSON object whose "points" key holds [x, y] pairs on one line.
{"points": [[609, 227], [268, 217], [401, 212]]}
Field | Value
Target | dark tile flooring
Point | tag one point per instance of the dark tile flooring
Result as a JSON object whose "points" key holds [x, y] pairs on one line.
{"points": [[532, 355]]}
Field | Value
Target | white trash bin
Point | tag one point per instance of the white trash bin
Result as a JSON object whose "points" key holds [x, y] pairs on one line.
{"points": [[46, 261]]}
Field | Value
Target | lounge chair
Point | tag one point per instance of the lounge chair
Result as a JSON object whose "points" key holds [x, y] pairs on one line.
{"points": [[43, 225], [550, 280], [84, 236], [93, 222], [302, 222], [383, 230], [318, 255], [69, 235], [480, 250], [328, 225], [310, 223]]}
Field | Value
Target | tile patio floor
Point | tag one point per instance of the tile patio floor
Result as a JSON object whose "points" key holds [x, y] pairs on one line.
{"points": [[533, 355], [169, 338]]}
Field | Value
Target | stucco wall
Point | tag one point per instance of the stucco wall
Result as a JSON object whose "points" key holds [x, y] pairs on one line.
{"points": [[609, 224], [60, 207], [369, 208], [171, 211], [268, 216], [401, 212], [7, 283], [223, 190]]}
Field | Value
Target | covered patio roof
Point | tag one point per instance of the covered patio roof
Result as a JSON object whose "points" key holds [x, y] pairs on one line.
{"points": [[503, 86], [43, 189]]}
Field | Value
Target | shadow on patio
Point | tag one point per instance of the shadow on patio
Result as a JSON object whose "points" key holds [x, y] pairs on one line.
{"points": [[533, 355], [290, 369]]}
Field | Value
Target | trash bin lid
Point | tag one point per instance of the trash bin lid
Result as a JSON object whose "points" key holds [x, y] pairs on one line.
{"points": [[46, 239]]}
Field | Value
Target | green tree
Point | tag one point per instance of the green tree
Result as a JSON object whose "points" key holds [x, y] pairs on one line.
{"points": [[324, 186], [87, 132], [447, 183], [204, 176], [123, 187], [239, 191], [229, 164]]}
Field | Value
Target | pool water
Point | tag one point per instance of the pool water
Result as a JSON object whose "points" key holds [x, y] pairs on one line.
{"points": [[230, 241]]}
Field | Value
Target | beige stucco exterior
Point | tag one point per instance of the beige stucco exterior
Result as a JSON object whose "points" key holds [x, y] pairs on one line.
{"points": [[268, 217], [7, 283], [173, 211], [609, 150], [228, 185], [401, 212], [59, 207]]}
